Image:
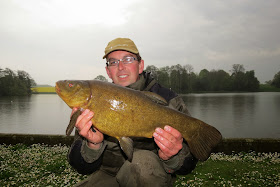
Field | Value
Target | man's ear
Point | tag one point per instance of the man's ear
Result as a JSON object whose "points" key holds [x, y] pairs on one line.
{"points": [[141, 66]]}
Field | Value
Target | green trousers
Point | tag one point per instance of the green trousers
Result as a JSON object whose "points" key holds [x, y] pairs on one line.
{"points": [[145, 170]]}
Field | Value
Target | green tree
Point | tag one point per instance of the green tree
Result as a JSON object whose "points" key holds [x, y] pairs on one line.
{"points": [[237, 68], [238, 77], [15, 84], [276, 80], [243, 81], [154, 71], [163, 76], [252, 83], [101, 78], [203, 81]]}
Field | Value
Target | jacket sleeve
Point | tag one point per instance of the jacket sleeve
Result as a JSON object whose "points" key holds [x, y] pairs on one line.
{"points": [[184, 162], [82, 158]]}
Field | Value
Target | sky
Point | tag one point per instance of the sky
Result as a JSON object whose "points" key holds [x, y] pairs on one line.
{"points": [[65, 39]]}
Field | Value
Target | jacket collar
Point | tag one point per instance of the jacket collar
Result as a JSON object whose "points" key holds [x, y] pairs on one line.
{"points": [[145, 82]]}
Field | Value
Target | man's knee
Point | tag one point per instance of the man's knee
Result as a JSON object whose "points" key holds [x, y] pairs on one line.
{"points": [[145, 169]]}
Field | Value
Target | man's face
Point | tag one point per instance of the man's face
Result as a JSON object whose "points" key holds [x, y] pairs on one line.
{"points": [[124, 74]]}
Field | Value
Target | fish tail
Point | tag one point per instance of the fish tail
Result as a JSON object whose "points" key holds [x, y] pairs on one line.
{"points": [[202, 142]]}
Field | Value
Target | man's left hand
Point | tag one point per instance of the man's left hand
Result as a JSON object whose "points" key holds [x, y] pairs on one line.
{"points": [[169, 141]]}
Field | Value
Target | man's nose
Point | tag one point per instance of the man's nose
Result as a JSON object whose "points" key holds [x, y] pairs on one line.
{"points": [[120, 65]]}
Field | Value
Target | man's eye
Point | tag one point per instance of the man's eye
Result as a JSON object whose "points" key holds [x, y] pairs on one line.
{"points": [[128, 59], [113, 62]]}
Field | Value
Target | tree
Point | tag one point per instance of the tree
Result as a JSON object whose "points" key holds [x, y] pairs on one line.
{"points": [[203, 81], [101, 78], [15, 84], [243, 81], [238, 77], [252, 83], [219, 80], [237, 68], [154, 71], [276, 80], [25, 81], [163, 76]]}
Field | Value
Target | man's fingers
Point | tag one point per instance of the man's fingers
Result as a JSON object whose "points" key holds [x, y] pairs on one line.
{"points": [[83, 119], [174, 132], [85, 129]]}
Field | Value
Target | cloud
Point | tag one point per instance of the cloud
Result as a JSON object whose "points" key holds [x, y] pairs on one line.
{"points": [[56, 39]]}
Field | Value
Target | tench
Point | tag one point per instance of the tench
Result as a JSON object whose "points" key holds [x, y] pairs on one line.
{"points": [[122, 112]]}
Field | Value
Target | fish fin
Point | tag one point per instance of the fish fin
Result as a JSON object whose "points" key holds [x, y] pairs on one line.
{"points": [[72, 122], [127, 146], [155, 97], [202, 143]]}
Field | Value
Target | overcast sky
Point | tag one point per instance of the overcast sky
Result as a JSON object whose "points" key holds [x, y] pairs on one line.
{"points": [[65, 39]]}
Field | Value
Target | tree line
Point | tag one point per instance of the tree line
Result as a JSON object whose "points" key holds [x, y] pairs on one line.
{"points": [[15, 83], [179, 78], [275, 81], [182, 79]]}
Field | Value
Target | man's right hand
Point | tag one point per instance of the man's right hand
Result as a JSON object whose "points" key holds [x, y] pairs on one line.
{"points": [[83, 125]]}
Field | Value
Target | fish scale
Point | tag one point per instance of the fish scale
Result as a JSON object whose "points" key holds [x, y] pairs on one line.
{"points": [[122, 112]]}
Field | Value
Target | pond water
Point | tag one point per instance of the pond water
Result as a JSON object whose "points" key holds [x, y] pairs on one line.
{"points": [[235, 115]]}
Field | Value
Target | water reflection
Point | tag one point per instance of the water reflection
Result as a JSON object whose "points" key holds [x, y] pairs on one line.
{"points": [[37, 114], [243, 108], [236, 115]]}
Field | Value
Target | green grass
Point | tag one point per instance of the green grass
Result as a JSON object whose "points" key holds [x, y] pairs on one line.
{"points": [[42, 165], [43, 90], [243, 169]]}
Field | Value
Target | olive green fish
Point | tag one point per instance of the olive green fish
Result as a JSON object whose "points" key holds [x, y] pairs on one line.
{"points": [[122, 112]]}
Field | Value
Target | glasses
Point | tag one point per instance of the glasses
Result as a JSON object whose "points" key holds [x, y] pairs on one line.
{"points": [[126, 60]]}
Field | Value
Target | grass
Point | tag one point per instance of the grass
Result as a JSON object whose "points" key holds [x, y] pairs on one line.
{"points": [[243, 169], [43, 90], [42, 165]]}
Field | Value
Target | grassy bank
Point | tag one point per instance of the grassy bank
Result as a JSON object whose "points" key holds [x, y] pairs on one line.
{"points": [[41, 165], [41, 90]]}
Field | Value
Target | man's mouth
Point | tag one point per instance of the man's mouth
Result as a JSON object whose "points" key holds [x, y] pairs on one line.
{"points": [[123, 76]]}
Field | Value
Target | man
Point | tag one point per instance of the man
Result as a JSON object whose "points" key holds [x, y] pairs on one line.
{"points": [[155, 161]]}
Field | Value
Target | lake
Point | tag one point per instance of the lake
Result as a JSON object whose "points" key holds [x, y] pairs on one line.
{"points": [[235, 115]]}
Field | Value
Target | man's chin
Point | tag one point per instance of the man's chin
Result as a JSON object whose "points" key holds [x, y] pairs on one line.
{"points": [[122, 83]]}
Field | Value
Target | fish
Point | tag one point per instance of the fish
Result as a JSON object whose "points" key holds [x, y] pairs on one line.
{"points": [[126, 113]]}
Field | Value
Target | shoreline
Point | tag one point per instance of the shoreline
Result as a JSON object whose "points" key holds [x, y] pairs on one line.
{"points": [[227, 145]]}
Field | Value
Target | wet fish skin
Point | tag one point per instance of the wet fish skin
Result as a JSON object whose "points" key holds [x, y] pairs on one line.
{"points": [[123, 112]]}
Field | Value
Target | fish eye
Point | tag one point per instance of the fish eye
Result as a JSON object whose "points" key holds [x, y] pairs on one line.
{"points": [[70, 85]]}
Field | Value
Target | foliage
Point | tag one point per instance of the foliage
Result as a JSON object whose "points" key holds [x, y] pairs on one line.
{"points": [[182, 79], [12, 83], [101, 78], [268, 88], [276, 80]]}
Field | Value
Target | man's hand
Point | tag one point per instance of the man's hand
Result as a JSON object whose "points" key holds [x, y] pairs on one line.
{"points": [[169, 140], [84, 125]]}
